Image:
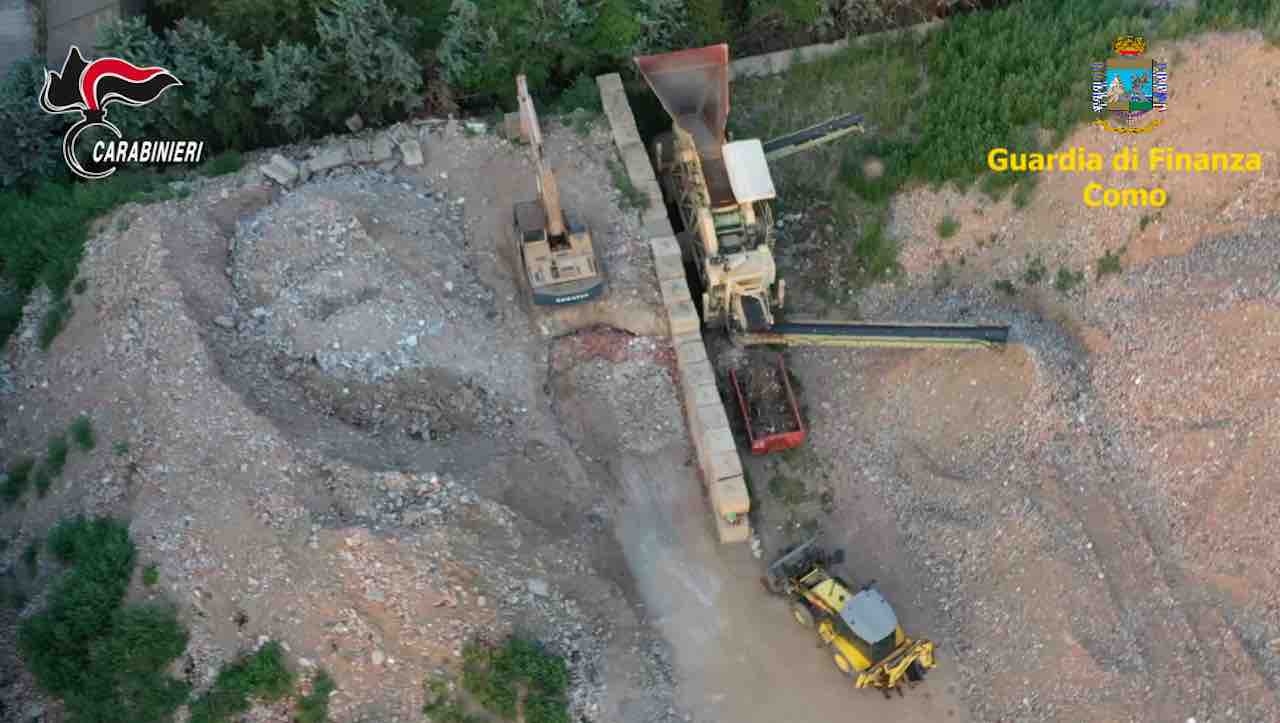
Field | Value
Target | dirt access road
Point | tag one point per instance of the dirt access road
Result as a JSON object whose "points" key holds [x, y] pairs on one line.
{"points": [[737, 653]]}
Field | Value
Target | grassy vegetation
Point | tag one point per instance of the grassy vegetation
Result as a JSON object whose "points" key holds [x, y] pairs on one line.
{"points": [[443, 707], [105, 661], [1035, 272], [948, 226], [81, 430], [120, 448], [31, 557], [1110, 263], [45, 236], [222, 164], [874, 257], [1066, 280], [43, 480], [1015, 77], [18, 479], [632, 197], [497, 675], [56, 454], [54, 321], [314, 707], [1005, 287], [257, 675], [151, 575], [789, 490]]}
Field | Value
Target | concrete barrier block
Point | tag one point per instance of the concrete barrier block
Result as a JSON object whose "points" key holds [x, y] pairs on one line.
{"points": [[668, 268], [640, 168], [729, 498], [706, 419], [730, 534], [694, 375], [665, 245], [715, 444], [676, 341], [720, 465], [690, 352], [657, 225], [674, 290], [701, 396], [683, 317]]}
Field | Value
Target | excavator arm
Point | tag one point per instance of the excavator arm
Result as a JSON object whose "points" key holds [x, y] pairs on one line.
{"points": [[548, 189]]}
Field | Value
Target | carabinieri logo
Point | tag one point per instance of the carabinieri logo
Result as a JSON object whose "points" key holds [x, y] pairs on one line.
{"points": [[87, 89], [1129, 86]]}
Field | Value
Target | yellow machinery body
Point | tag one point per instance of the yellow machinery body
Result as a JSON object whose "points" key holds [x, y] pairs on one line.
{"points": [[859, 629]]}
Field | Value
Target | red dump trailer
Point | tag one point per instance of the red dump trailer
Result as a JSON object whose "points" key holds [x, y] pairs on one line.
{"points": [[768, 406]]}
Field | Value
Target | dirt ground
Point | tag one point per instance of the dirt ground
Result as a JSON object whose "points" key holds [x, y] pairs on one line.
{"points": [[1078, 519]]}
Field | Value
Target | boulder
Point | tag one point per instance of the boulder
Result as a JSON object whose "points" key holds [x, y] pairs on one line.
{"points": [[281, 170], [411, 149], [381, 148], [355, 123], [328, 158]]}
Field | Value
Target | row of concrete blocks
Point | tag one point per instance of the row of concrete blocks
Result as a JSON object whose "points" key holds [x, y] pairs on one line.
{"points": [[718, 459]]}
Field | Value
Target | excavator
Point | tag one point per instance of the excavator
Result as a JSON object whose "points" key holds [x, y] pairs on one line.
{"points": [[722, 190], [859, 629], [556, 249]]}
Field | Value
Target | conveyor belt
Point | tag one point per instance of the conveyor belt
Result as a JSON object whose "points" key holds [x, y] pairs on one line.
{"points": [[820, 333], [797, 141]]}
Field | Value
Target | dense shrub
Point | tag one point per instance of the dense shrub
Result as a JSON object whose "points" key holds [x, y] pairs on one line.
{"points": [[106, 663], [363, 46], [258, 675], [251, 24], [133, 41], [215, 102], [488, 42], [494, 676], [287, 86], [32, 147]]}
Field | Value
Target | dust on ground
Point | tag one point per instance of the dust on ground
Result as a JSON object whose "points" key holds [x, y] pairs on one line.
{"points": [[1079, 519], [325, 412]]}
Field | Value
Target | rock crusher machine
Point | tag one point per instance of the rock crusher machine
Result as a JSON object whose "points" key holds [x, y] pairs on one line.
{"points": [[556, 250], [722, 191], [859, 629]]}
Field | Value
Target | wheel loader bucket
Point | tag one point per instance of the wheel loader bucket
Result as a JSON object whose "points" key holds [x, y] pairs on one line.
{"points": [[693, 86], [794, 562]]}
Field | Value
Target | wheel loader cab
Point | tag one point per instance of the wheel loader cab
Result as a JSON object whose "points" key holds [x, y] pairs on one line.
{"points": [[862, 627]]}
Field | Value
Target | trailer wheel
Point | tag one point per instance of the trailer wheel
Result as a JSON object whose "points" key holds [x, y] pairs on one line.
{"points": [[915, 672], [802, 615]]}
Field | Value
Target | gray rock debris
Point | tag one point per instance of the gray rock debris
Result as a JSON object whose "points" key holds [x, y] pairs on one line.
{"points": [[281, 170], [355, 123]]}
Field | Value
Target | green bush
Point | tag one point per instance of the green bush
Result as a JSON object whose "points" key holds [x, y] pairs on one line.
{"points": [[362, 43], [43, 480], [56, 454], [707, 22], [1035, 272], [314, 707], [133, 41], [488, 42], [257, 675], [19, 479], [105, 662], [492, 674], [1066, 280], [216, 98], [32, 147], [251, 24], [287, 86], [31, 556], [81, 430], [1110, 263], [151, 575]]}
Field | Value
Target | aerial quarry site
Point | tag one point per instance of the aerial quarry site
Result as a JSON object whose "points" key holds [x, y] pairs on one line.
{"points": [[386, 396]]}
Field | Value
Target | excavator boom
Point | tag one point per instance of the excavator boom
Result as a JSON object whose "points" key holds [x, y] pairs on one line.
{"points": [[548, 189]]}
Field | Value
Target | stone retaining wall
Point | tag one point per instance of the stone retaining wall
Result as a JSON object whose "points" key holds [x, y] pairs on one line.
{"points": [[719, 465], [777, 62]]}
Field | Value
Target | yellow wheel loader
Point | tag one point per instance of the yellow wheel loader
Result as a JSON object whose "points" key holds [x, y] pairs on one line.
{"points": [[859, 629]]}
